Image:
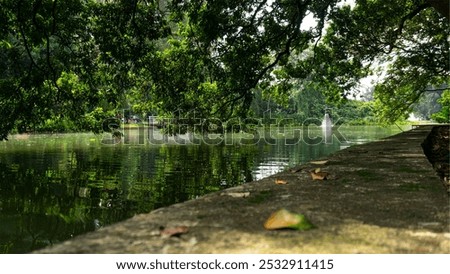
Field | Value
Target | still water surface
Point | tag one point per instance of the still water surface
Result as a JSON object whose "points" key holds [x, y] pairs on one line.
{"points": [[53, 187]]}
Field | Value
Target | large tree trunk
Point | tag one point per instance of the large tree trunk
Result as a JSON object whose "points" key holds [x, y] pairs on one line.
{"points": [[442, 6]]}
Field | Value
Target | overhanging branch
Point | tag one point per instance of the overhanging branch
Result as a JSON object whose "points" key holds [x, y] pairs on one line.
{"points": [[403, 20], [441, 6]]}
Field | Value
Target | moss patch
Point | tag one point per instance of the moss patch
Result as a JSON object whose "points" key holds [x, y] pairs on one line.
{"points": [[408, 170], [413, 187], [260, 197], [368, 175]]}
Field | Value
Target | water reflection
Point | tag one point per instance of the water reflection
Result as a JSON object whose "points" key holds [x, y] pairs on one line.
{"points": [[55, 187]]}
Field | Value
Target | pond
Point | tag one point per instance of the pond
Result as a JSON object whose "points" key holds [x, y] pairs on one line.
{"points": [[54, 187]]}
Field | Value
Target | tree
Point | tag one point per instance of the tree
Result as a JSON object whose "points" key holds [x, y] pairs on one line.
{"points": [[35, 46], [197, 59], [266, 45], [242, 42], [406, 41], [70, 58], [443, 116]]}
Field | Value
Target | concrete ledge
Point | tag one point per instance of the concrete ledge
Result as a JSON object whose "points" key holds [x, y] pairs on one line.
{"points": [[381, 197]]}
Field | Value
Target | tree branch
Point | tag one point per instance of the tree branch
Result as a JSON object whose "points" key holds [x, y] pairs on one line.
{"points": [[402, 22], [441, 6], [25, 42]]}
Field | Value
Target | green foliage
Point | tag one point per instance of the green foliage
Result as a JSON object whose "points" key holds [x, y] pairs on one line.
{"points": [[56, 124], [196, 60], [443, 116], [355, 113], [408, 37], [64, 59], [308, 105], [243, 42]]}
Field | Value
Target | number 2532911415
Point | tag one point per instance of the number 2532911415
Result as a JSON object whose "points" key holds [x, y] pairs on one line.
{"points": [[295, 264]]}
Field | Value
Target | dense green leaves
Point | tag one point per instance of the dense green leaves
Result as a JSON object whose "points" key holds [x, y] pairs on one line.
{"points": [[195, 60], [66, 59], [244, 41], [443, 116], [405, 43]]}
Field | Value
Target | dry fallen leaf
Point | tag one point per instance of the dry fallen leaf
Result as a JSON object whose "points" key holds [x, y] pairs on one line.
{"points": [[236, 194], [174, 231], [295, 170], [286, 219], [319, 162], [318, 175], [280, 182]]}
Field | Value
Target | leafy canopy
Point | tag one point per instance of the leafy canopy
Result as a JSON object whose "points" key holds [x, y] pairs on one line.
{"points": [[82, 60]]}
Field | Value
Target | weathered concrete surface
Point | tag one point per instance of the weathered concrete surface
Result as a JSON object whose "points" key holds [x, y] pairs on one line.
{"points": [[382, 197]]}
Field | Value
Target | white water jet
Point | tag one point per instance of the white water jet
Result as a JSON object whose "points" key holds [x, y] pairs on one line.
{"points": [[327, 127]]}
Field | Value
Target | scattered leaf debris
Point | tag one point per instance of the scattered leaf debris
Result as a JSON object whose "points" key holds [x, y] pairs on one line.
{"points": [[317, 174], [174, 231], [237, 194], [281, 182], [295, 170], [319, 162]]}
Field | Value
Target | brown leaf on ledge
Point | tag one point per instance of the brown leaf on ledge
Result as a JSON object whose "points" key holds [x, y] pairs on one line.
{"points": [[174, 231], [280, 182], [295, 170], [317, 174]]}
